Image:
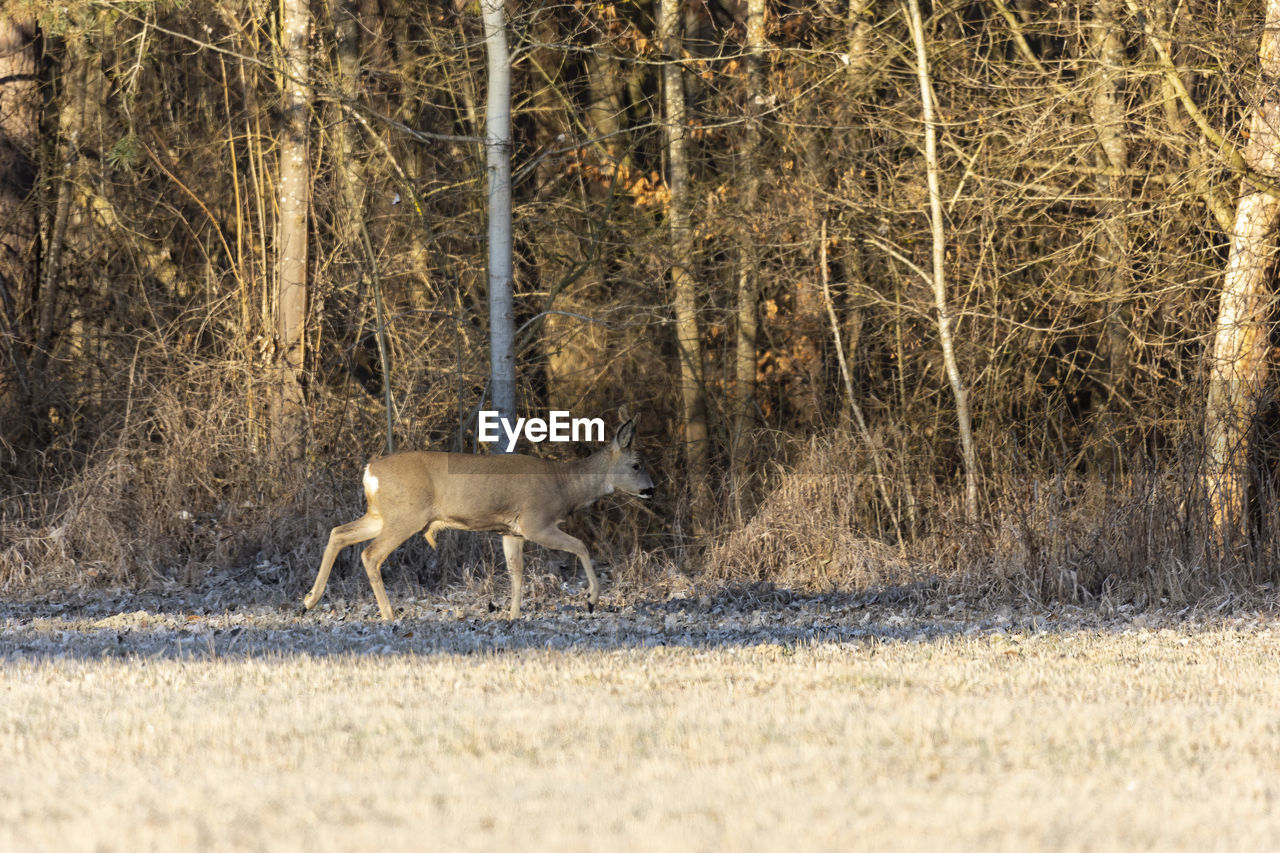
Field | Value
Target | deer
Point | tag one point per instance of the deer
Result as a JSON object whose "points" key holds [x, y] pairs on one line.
{"points": [[522, 497]]}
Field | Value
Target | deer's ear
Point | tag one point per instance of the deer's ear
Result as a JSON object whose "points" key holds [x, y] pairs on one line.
{"points": [[626, 433]]}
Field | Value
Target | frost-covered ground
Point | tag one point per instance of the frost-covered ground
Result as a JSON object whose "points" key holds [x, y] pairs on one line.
{"points": [[744, 720]]}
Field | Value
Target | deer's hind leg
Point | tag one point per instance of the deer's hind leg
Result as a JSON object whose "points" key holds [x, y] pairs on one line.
{"points": [[361, 529], [513, 550], [393, 534]]}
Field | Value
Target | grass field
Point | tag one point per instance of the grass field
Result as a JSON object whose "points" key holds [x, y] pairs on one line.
{"points": [[921, 733]]}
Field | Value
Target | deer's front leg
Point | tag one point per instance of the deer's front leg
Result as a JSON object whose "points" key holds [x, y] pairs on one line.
{"points": [[558, 540]]}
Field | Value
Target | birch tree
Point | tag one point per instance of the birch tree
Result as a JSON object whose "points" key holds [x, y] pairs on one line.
{"points": [[497, 147], [1238, 363]]}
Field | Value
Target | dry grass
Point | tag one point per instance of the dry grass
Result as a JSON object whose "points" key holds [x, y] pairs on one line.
{"points": [[1000, 739], [810, 531]]}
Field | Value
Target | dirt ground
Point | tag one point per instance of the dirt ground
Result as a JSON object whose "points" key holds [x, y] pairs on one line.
{"points": [[749, 720]]}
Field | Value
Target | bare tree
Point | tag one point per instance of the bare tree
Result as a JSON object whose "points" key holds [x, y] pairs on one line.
{"points": [[352, 234], [497, 146], [1238, 364], [939, 276], [693, 404], [1113, 163], [288, 421], [858, 23], [345, 16], [748, 246]]}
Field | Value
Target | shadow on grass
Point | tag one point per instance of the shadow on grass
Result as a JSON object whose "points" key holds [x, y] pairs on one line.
{"points": [[129, 625]]}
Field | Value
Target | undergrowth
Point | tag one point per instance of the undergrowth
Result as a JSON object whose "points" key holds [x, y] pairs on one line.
{"points": [[184, 491]]}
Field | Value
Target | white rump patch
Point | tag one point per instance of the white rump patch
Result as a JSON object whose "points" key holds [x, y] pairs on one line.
{"points": [[370, 481]]}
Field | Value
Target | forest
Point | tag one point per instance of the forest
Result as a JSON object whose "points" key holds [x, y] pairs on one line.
{"points": [[972, 295]]}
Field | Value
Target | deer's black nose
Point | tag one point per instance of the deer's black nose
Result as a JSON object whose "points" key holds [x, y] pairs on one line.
{"points": [[647, 492]]}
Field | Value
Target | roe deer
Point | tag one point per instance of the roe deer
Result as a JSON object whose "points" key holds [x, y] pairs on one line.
{"points": [[521, 497]]}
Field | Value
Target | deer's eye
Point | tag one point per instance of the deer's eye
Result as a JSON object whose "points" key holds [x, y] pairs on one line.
{"points": [[635, 466]]}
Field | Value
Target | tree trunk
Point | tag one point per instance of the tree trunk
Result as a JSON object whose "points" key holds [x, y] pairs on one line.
{"points": [[346, 22], [1238, 363], [497, 146], [858, 22], [693, 405], [939, 278], [353, 236], [604, 111], [1112, 157], [288, 417], [748, 254], [19, 137]]}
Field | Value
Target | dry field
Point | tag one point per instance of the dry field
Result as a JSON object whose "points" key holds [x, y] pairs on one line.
{"points": [[811, 724]]}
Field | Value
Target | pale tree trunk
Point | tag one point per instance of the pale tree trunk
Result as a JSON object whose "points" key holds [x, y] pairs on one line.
{"points": [[288, 417], [1238, 364], [693, 405], [859, 24], [748, 252], [1112, 156], [939, 280], [19, 137], [497, 146]]}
